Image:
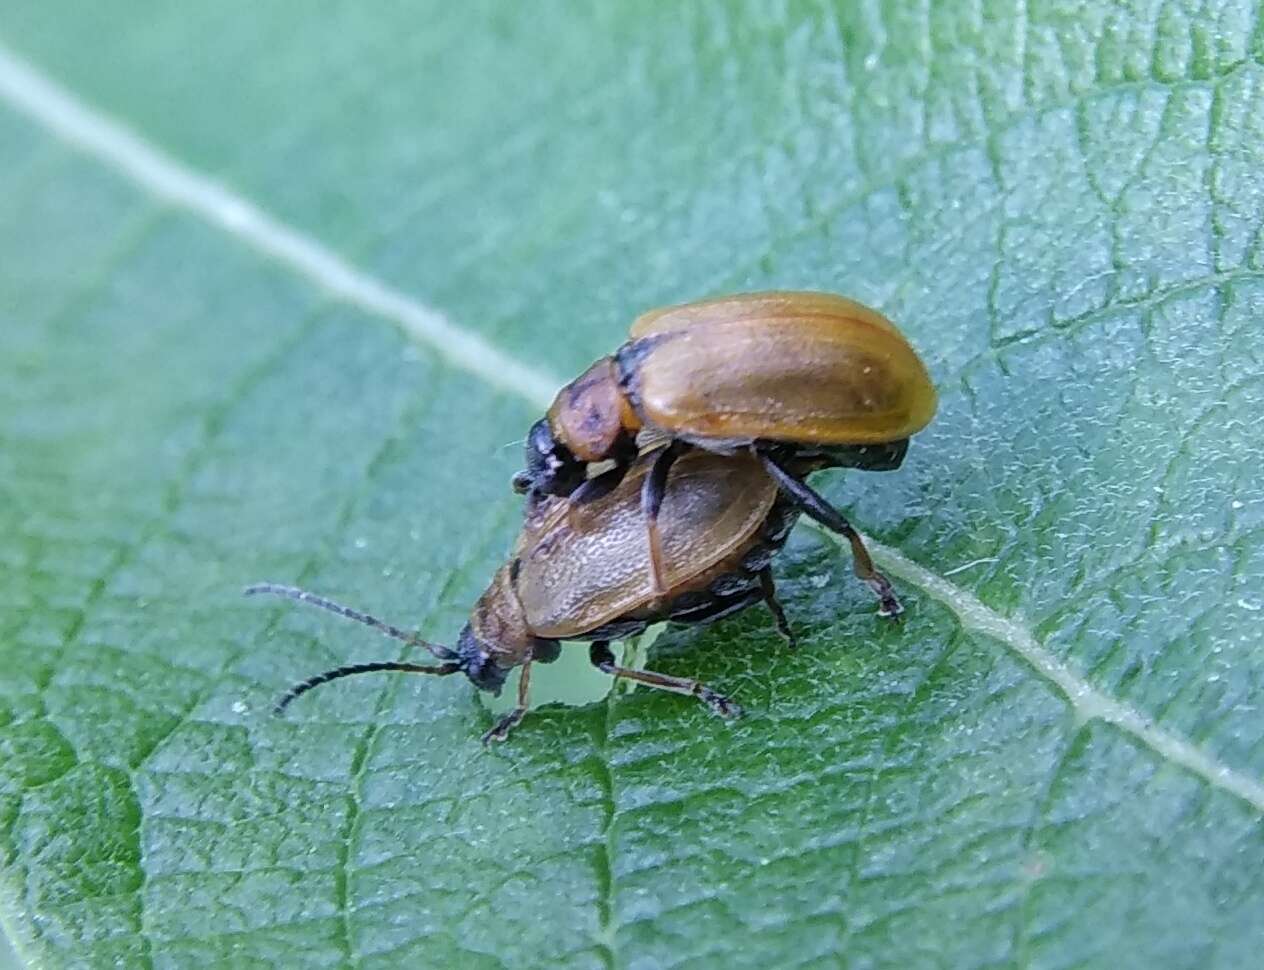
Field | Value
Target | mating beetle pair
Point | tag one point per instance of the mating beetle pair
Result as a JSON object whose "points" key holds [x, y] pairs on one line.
{"points": [[711, 417], [808, 373]]}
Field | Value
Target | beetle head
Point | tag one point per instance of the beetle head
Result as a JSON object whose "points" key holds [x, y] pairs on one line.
{"points": [[478, 662], [551, 468]]}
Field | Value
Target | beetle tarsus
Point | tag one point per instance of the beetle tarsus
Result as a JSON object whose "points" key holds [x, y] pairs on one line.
{"points": [[890, 606], [500, 731], [721, 705]]}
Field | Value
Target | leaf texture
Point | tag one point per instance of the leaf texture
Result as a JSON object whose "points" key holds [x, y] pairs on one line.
{"points": [[280, 313]]}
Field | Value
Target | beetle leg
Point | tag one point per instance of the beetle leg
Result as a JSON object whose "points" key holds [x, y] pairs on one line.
{"points": [[500, 731], [603, 659], [599, 485], [814, 505], [769, 588], [652, 491]]}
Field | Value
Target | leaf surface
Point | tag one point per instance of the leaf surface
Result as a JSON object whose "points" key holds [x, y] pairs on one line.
{"points": [[284, 325]]}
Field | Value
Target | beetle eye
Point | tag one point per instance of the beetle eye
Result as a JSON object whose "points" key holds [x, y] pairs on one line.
{"points": [[540, 438]]}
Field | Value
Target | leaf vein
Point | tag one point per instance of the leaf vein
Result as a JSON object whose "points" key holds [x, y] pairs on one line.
{"points": [[1088, 702], [29, 91]]}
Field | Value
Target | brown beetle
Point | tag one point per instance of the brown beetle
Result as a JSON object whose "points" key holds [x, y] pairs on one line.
{"points": [[783, 373], [582, 574]]}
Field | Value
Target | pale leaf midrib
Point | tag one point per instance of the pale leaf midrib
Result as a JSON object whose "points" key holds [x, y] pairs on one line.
{"points": [[178, 185], [63, 114], [1088, 702]]}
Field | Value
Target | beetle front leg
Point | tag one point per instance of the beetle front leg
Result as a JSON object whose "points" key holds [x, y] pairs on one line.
{"points": [[814, 505], [500, 731], [652, 491], [603, 659], [599, 485]]}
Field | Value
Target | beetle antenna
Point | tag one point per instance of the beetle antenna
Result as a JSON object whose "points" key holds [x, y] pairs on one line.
{"points": [[298, 690], [303, 596]]}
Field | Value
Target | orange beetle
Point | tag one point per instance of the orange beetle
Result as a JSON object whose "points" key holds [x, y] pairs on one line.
{"points": [[783, 374]]}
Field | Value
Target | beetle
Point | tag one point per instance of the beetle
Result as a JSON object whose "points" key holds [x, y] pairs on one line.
{"points": [[582, 574], [784, 373]]}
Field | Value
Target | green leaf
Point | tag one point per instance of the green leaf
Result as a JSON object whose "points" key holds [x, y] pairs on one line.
{"points": [[288, 320]]}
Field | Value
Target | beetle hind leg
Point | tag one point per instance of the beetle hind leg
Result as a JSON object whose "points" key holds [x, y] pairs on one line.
{"points": [[603, 659], [814, 505], [769, 589]]}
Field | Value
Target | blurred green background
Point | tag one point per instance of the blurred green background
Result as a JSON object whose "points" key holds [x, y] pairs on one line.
{"points": [[8, 959]]}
